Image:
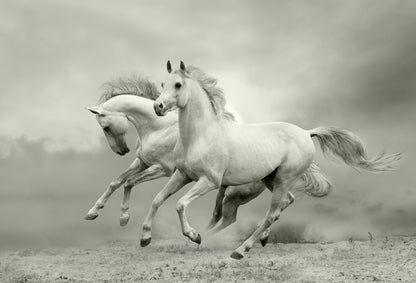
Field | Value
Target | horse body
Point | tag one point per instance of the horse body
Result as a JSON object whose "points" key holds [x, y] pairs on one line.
{"points": [[215, 152]]}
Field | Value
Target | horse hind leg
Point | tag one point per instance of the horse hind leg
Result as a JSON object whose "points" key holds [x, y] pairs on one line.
{"points": [[229, 209], [150, 173], [264, 238], [218, 209], [281, 185]]}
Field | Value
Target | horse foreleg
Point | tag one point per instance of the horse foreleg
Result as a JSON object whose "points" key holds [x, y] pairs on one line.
{"points": [[124, 215], [151, 173], [136, 166], [203, 186], [218, 209], [175, 183]]}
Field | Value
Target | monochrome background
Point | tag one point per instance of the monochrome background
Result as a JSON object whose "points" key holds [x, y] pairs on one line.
{"points": [[351, 64]]}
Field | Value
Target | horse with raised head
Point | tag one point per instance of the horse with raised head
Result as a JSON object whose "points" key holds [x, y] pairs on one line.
{"points": [[215, 151]]}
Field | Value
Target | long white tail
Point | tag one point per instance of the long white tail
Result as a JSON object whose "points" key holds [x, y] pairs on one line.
{"points": [[313, 182], [350, 149]]}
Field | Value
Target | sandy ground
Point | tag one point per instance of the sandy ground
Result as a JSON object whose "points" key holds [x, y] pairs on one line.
{"points": [[385, 260]]}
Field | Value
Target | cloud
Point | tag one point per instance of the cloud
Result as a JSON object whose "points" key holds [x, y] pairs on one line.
{"points": [[282, 61]]}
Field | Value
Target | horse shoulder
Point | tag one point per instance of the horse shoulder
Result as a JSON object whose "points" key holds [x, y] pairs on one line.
{"points": [[157, 148]]}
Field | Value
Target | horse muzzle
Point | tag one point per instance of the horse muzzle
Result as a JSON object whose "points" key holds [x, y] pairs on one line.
{"points": [[123, 152], [159, 108]]}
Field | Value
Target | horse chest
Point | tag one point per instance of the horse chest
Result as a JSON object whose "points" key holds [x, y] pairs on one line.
{"points": [[193, 163], [153, 152]]}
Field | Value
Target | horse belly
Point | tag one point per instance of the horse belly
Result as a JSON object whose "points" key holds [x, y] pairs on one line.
{"points": [[252, 163]]}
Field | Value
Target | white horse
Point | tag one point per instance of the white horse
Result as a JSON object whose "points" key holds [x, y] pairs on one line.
{"points": [[131, 100], [215, 151]]}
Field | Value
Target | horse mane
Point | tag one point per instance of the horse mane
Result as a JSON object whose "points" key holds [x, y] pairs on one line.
{"points": [[130, 85], [214, 93]]}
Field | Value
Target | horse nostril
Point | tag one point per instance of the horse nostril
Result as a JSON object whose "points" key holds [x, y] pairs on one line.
{"points": [[160, 106]]}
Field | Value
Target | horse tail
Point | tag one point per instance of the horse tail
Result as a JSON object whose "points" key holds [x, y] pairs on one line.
{"points": [[313, 182], [350, 149]]}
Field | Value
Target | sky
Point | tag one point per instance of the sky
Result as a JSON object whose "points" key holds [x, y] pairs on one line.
{"points": [[350, 64]]}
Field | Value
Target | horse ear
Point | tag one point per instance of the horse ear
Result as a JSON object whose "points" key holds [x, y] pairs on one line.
{"points": [[182, 66], [169, 66], [94, 110]]}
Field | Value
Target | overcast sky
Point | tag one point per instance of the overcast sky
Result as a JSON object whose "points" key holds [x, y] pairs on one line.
{"points": [[351, 64]]}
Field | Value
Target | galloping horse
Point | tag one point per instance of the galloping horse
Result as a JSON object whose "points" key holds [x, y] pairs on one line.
{"points": [[131, 100], [215, 151]]}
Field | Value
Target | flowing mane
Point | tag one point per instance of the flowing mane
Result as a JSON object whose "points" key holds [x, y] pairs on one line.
{"points": [[214, 93], [132, 85]]}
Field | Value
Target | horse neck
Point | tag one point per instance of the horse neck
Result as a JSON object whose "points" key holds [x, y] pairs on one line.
{"points": [[196, 116], [140, 113]]}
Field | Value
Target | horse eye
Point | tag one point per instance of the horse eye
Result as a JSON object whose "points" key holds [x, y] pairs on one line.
{"points": [[178, 85], [162, 84], [106, 129]]}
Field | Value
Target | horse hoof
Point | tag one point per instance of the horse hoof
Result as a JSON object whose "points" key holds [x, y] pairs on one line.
{"points": [[263, 242], [145, 242], [236, 255], [91, 216], [124, 219], [198, 239]]}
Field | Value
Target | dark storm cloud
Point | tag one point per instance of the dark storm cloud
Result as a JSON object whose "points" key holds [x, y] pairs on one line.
{"points": [[348, 56], [271, 58]]}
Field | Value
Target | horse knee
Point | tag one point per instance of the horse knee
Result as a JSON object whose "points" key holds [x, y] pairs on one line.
{"points": [[114, 185], [129, 183], [180, 207]]}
